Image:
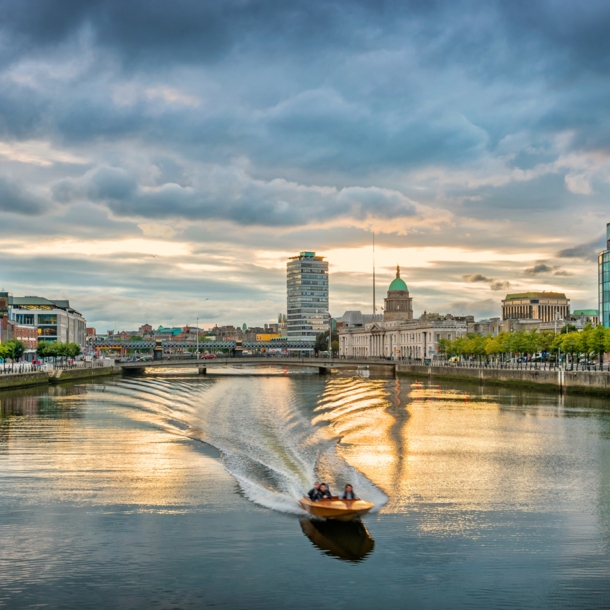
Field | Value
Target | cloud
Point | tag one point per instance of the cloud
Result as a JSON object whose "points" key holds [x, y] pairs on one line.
{"points": [[476, 277], [493, 284], [587, 251], [231, 194], [16, 199], [151, 229], [538, 268], [266, 125]]}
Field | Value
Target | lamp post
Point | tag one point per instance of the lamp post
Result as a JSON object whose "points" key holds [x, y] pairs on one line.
{"points": [[206, 299]]}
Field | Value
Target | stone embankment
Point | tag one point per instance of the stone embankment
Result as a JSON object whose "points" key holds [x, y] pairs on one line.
{"points": [[586, 382], [25, 380]]}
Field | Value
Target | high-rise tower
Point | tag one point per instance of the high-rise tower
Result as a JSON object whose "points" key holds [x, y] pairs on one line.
{"points": [[307, 312], [604, 282]]}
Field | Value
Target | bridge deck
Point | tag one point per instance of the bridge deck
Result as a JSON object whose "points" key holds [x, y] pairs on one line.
{"points": [[253, 361]]}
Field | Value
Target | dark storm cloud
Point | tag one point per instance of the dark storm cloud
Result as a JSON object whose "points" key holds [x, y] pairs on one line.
{"points": [[587, 251], [232, 196], [342, 86], [16, 199]]}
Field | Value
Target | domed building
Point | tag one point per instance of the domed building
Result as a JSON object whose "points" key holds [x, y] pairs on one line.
{"points": [[398, 303], [396, 334]]}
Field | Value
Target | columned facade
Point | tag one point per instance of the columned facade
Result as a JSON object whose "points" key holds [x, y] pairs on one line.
{"points": [[543, 306], [398, 336]]}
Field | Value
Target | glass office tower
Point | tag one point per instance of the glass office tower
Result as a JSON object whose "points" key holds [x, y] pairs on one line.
{"points": [[307, 313], [604, 282]]}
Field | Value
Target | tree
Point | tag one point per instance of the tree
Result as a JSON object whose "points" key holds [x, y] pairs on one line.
{"points": [[570, 343], [597, 341], [13, 349], [321, 344]]}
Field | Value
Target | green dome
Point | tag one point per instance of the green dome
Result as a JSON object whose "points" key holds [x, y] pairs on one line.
{"points": [[398, 284]]}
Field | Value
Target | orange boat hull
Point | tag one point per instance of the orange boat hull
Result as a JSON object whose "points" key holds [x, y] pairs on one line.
{"points": [[342, 510]]}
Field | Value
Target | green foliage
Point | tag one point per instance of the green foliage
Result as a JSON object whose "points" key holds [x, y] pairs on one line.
{"points": [[591, 340], [12, 350], [321, 344], [135, 338], [58, 350]]}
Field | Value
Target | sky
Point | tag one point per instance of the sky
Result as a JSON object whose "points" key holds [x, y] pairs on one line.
{"points": [[156, 154]]}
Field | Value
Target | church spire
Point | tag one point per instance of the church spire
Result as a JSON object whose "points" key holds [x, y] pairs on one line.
{"points": [[398, 271]]}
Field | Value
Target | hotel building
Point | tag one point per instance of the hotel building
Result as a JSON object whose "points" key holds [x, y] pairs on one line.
{"points": [[307, 297], [543, 306]]}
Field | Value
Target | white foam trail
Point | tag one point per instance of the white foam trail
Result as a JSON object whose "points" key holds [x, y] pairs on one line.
{"points": [[263, 430]]}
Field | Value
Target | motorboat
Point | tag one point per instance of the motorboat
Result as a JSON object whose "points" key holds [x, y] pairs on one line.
{"points": [[347, 540], [336, 508]]}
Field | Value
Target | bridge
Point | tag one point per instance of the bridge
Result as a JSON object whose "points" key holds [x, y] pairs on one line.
{"points": [[149, 344], [324, 365]]}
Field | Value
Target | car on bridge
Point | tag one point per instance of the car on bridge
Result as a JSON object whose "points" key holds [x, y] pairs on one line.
{"points": [[209, 356]]}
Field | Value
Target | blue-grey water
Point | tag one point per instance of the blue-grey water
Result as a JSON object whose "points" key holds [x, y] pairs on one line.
{"points": [[181, 492]]}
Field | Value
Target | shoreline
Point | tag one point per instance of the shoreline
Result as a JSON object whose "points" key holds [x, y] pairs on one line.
{"points": [[28, 380], [568, 382]]}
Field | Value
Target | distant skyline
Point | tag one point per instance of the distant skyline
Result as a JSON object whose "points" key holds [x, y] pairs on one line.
{"points": [[156, 154]]}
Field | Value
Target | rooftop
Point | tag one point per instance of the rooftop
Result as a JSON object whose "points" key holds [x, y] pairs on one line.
{"points": [[33, 301], [536, 295], [585, 312]]}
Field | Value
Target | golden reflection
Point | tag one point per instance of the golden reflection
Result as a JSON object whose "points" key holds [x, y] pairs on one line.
{"points": [[361, 413], [93, 460], [450, 455]]}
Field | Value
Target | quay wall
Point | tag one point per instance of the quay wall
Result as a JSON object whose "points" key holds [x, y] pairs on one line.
{"points": [[586, 382], [23, 380], [62, 376], [26, 380]]}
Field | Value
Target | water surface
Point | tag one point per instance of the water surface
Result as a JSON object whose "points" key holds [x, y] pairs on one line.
{"points": [[181, 492]]}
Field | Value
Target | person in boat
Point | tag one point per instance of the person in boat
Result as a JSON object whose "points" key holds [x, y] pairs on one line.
{"points": [[313, 492], [323, 493], [349, 494]]}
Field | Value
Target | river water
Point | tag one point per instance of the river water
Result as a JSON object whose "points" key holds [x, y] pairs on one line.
{"points": [[181, 492]]}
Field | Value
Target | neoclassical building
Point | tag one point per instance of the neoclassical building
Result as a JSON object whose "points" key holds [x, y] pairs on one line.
{"points": [[396, 334]]}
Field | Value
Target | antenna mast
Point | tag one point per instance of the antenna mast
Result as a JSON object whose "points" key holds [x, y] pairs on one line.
{"points": [[374, 305]]}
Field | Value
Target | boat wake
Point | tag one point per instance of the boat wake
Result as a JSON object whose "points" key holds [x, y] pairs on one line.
{"points": [[263, 430]]}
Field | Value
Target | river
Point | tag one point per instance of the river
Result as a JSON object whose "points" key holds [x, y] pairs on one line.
{"points": [[181, 492]]}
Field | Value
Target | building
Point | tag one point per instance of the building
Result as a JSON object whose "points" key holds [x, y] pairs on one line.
{"points": [[543, 306], [398, 305], [145, 330], [604, 282], [54, 319], [307, 297], [11, 330], [397, 335], [491, 326], [264, 337], [587, 316]]}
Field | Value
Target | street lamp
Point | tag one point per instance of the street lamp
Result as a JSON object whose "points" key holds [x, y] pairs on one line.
{"points": [[206, 299]]}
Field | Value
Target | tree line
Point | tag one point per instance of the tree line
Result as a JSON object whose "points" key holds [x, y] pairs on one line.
{"points": [[592, 340], [47, 349]]}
